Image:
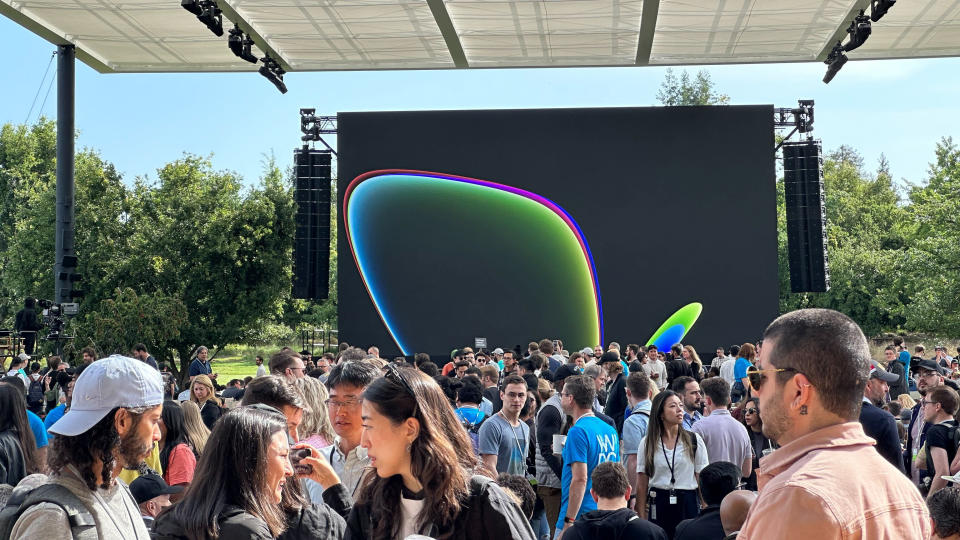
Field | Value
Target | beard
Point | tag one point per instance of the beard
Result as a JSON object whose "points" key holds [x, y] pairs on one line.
{"points": [[133, 451], [775, 419]]}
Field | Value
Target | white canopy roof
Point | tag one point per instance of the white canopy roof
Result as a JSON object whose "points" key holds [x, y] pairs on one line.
{"points": [[316, 35]]}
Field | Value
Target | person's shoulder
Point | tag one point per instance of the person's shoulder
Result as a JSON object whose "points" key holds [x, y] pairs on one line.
{"points": [[43, 520], [235, 523]]}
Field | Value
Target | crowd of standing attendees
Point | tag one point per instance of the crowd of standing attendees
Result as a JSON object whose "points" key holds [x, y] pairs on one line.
{"points": [[788, 436]]}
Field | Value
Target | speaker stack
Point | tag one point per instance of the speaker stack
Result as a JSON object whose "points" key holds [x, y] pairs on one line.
{"points": [[806, 216], [311, 247]]}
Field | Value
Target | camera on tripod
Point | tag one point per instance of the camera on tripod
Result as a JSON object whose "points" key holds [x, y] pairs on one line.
{"points": [[54, 317]]}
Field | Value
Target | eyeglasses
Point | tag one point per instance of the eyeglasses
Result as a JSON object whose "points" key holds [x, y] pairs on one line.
{"points": [[347, 404], [924, 403], [750, 411], [757, 377]]}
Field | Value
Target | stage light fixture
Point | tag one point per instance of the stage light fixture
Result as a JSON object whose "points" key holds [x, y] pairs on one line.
{"points": [[859, 32], [193, 6], [834, 62], [273, 72], [240, 45], [879, 8], [212, 17]]}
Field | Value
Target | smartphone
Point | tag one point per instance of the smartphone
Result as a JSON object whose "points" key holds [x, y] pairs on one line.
{"points": [[296, 456]]}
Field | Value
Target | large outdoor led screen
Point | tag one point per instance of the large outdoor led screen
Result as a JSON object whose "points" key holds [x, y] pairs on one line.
{"points": [[587, 225]]}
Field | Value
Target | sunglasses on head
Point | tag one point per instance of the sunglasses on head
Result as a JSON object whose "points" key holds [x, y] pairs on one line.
{"points": [[758, 376]]}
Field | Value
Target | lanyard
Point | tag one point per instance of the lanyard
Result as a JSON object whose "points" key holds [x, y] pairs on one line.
{"points": [[671, 464], [515, 434]]}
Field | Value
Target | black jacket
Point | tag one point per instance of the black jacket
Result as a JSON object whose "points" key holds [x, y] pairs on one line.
{"points": [[613, 525], [706, 526], [235, 524], [12, 465], [907, 454], [616, 404], [899, 387], [488, 514], [881, 425], [314, 521]]}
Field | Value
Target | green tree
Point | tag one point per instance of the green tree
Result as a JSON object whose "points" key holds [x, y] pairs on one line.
{"points": [[866, 230], [932, 256], [225, 254], [675, 91]]}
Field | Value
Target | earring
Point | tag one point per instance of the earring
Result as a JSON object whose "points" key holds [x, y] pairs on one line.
{"points": [[803, 410], [409, 446]]}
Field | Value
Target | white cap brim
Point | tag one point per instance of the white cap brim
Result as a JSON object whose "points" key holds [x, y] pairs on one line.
{"points": [[75, 422]]}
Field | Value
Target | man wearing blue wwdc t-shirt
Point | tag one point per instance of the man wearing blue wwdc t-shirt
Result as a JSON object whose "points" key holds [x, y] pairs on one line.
{"points": [[590, 442]]}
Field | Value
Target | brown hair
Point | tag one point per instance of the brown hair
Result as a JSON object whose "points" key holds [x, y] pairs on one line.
{"points": [[748, 351], [946, 397]]}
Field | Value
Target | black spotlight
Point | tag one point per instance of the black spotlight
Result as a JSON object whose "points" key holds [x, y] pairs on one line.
{"points": [[193, 6], [212, 17], [878, 8], [273, 72], [834, 62], [240, 45], [859, 32]]}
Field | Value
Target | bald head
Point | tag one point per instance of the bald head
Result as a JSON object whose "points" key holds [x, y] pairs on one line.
{"points": [[734, 508]]}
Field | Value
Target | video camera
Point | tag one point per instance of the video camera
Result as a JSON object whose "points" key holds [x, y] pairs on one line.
{"points": [[54, 317]]}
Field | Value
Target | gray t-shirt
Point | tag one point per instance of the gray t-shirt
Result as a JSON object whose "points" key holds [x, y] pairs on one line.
{"points": [[114, 511], [509, 443]]}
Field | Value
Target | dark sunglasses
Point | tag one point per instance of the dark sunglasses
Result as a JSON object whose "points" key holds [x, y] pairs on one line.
{"points": [[751, 411], [757, 376], [394, 373]]}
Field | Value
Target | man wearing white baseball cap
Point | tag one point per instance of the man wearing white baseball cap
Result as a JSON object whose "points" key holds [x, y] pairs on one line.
{"points": [[112, 423]]}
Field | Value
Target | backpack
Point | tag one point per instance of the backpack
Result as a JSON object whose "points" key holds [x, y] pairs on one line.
{"points": [[954, 436], [473, 431], [35, 396], [82, 524]]}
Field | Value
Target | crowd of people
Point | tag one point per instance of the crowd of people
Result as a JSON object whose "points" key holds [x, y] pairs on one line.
{"points": [[801, 432]]}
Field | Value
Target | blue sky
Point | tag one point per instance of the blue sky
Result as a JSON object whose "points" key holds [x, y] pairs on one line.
{"points": [[900, 108]]}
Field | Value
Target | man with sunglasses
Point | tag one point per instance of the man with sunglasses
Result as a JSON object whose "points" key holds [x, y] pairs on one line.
{"points": [[825, 481], [929, 376], [878, 423]]}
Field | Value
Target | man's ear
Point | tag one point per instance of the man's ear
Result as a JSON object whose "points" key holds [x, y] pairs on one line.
{"points": [[594, 495], [122, 421]]}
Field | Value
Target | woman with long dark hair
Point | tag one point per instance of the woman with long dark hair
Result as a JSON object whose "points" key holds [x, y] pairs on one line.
{"points": [[424, 465], [237, 491], [178, 459], [758, 441], [18, 449], [668, 469]]}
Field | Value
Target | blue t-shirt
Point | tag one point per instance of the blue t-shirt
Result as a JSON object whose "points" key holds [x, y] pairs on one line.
{"points": [[740, 368], [591, 441], [53, 416], [904, 358], [36, 426]]}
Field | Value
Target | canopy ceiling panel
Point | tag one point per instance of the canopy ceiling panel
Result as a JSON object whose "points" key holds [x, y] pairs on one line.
{"points": [[917, 28], [357, 34], [735, 31], [316, 35], [547, 33]]}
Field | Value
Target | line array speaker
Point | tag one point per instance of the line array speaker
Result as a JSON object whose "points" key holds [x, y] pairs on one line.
{"points": [[311, 244], [806, 216]]}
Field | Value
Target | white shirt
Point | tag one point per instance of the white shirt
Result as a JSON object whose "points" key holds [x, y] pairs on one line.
{"points": [[726, 370], [261, 371], [683, 467], [409, 511], [658, 366]]}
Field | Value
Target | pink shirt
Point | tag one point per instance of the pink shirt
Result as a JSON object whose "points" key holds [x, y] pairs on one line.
{"points": [[180, 465], [832, 484]]}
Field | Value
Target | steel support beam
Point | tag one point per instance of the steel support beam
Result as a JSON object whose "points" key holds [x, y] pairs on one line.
{"points": [[648, 26]]}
